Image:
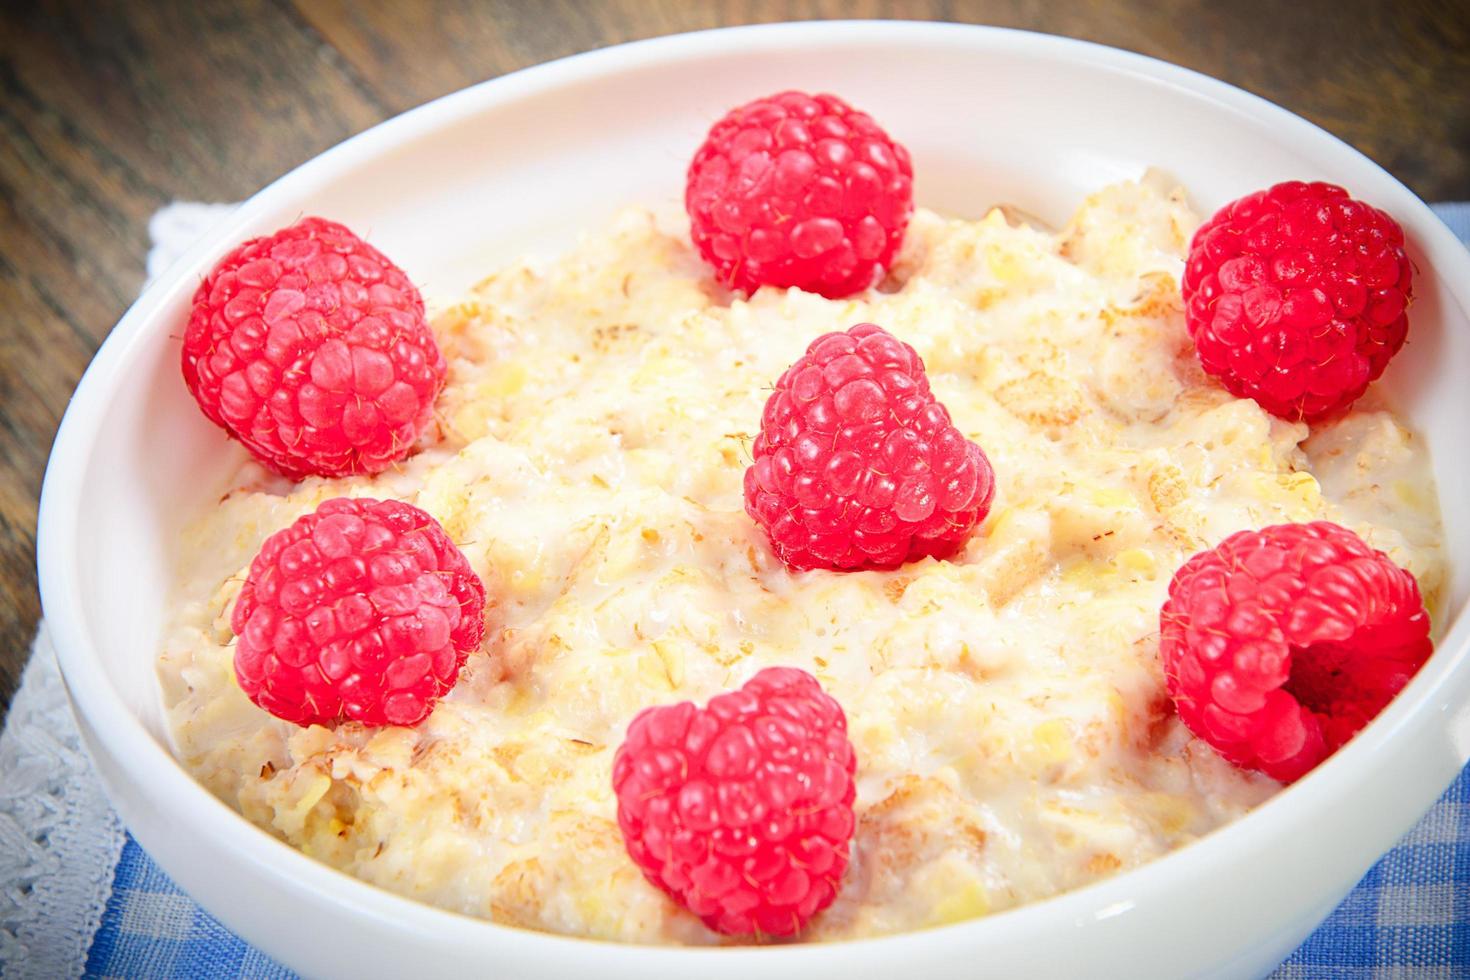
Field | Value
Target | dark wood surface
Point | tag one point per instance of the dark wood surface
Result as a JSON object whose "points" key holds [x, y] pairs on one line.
{"points": [[109, 110]]}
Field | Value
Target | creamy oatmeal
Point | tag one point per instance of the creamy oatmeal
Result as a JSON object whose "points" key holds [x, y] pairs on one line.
{"points": [[1013, 734]]}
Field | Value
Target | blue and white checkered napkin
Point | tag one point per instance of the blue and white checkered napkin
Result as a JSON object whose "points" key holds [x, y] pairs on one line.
{"points": [[1408, 917]]}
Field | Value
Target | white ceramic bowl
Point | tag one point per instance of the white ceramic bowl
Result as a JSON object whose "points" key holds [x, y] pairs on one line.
{"points": [[521, 163]]}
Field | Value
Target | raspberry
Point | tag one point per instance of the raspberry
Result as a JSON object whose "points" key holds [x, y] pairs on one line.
{"points": [[311, 348], [799, 190], [1279, 645], [361, 611], [742, 811], [857, 465], [1295, 296]]}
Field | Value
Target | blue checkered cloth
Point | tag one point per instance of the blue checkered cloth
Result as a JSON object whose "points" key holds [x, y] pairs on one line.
{"points": [[153, 929], [1408, 917]]}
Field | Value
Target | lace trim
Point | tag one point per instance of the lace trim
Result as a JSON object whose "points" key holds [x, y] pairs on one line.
{"points": [[59, 839]]}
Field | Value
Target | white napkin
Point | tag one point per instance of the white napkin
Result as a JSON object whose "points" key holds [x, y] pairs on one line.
{"points": [[59, 839]]}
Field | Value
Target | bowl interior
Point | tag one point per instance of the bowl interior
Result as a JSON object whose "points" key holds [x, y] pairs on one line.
{"points": [[526, 163]]}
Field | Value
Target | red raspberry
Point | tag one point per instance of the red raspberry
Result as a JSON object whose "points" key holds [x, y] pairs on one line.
{"points": [[742, 811], [799, 190], [1280, 644], [311, 348], [1295, 297], [857, 465], [361, 611]]}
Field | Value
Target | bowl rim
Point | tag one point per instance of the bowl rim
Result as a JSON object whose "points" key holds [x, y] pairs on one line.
{"points": [[1443, 682]]}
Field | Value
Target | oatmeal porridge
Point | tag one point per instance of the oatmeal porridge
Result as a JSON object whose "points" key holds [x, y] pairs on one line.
{"points": [[1008, 711]]}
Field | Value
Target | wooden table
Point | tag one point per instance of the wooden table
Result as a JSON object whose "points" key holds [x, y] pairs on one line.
{"points": [[111, 110]]}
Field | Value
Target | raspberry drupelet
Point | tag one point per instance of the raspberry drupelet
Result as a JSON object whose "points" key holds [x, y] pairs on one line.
{"points": [[311, 348], [802, 191], [742, 811], [1279, 645], [1296, 295], [857, 465], [363, 610]]}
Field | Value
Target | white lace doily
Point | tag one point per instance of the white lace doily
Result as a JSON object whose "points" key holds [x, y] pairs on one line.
{"points": [[59, 838]]}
